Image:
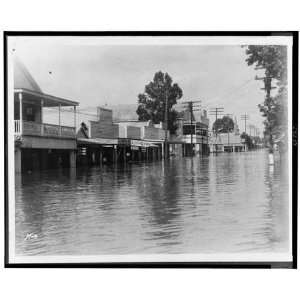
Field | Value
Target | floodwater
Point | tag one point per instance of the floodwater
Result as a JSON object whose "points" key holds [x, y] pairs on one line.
{"points": [[232, 202]]}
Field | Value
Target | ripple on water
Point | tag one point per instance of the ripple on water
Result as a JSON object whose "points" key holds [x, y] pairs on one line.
{"points": [[230, 202]]}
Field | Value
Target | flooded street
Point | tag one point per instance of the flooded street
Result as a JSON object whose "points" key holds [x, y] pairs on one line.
{"points": [[233, 202]]}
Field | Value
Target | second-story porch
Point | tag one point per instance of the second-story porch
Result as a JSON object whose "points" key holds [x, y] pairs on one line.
{"points": [[29, 115]]}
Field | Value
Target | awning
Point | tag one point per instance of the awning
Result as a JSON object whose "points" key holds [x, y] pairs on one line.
{"points": [[97, 141], [140, 143], [49, 100], [120, 142]]}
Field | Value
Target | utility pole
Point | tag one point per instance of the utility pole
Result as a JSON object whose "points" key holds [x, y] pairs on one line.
{"points": [[229, 116], [191, 117], [245, 117], [191, 107], [215, 112], [267, 88], [166, 125]]}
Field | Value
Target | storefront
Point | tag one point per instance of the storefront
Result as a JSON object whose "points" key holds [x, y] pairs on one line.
{"points": [[145, 150]]}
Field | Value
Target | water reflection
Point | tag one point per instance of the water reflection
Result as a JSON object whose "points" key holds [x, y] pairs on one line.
{"points": [[158, 189], [232, 202]]}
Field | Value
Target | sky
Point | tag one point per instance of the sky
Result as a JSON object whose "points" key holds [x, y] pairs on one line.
{"points": [[98, 74]]}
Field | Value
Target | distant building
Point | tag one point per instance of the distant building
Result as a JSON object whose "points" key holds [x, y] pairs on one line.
{"points": [[121, 141], [227, 142], [191, 135]]}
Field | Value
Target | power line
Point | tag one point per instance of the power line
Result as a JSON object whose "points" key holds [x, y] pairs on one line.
{"points": [[216, 111], [245, 117], [233, 90], [191, 105], [268, 84]]}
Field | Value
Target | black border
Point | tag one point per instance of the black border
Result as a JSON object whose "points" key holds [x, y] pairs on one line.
{"points": [[255, 265]]}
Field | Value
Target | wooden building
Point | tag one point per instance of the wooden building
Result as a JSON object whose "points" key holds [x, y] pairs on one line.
{"points": [[191, 136], [40, 145], [227, 142], [107, 142]]}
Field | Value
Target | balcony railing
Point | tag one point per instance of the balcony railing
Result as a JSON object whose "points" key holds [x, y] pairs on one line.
{"points": [[48, 130]]}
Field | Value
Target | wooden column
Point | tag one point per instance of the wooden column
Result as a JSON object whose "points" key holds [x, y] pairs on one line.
{"points": [[115, 155], [72, 156], [75, 118], [21, 111], [18, 160], [124, 154], [42, 117], [59, 119], [42, 105], [100, 156]]}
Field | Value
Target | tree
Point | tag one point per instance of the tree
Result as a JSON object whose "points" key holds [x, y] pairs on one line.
{"points": [[152, 103], [223, 125], [248, 140], [273, 60]]}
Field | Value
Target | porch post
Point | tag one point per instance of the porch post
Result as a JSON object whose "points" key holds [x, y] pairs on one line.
{"points": [[42, 105], [75, 118], [124, 153], [42, 117], [100, 156], [72, 157], [115, 154], [18, 160], [59, 119], [21, 112]]}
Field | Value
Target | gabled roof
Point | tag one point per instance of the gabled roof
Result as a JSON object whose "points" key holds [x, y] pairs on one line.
{"points": [[23, 79], [25, 83]]}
